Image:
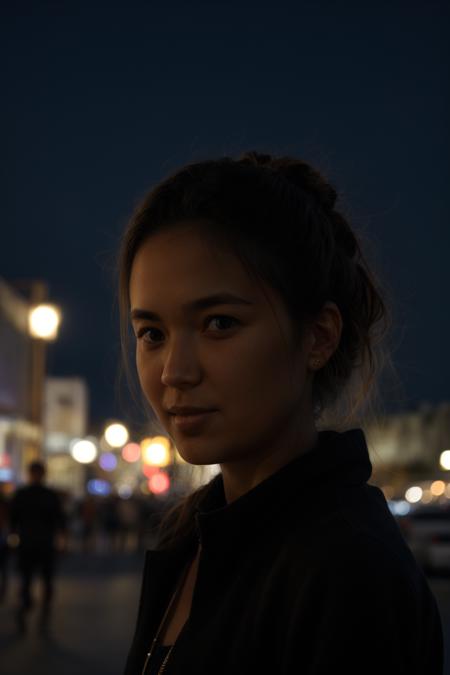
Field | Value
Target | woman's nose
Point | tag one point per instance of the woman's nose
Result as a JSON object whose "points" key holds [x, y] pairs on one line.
{"points": [[181, 366]]}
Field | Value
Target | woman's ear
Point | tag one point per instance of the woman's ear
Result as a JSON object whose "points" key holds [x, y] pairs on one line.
{"points": [[326, 331]]}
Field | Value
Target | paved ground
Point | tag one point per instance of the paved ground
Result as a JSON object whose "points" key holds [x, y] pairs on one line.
{"points": [[94, 616]]}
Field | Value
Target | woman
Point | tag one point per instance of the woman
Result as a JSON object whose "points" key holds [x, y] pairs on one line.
{"points": [[255, 316]]}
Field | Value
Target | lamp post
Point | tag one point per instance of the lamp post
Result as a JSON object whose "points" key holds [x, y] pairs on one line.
{"points": [[43, 324]]}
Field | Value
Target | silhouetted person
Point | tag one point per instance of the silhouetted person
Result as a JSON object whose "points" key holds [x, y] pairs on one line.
{"points": [[36, 517], [4, 518]]}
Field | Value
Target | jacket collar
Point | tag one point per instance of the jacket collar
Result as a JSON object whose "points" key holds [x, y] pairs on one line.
{"points": [[300, 488]]}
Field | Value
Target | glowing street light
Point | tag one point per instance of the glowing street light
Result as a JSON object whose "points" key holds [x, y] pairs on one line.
{"points": [[83, 451], [156, 451], [437, 488], [444, 460], [414, 494], [159, 483], [116, 435], [131, 452], [43, 322]]}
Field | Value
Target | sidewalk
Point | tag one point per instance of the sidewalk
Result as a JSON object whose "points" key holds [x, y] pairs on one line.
{"points": [[95, 608]]}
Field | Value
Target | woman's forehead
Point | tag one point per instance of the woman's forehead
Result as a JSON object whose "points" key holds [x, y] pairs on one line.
{"points": [[176, 267], [186, 261]]}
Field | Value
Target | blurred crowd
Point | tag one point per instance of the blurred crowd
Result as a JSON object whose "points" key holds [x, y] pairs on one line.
{"points": [[89, 524]]}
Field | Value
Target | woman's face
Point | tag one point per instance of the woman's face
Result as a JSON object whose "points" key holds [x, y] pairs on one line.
{"points": [[224, 355]]}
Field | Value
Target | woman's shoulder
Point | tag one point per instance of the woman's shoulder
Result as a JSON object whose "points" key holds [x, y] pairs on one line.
{"points": [[359, 539]]}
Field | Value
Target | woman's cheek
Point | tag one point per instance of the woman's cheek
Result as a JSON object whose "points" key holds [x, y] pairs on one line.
{"points": [[143, 370]]}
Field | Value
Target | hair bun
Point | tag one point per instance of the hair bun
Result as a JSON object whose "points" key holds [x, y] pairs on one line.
{"points": [[297, 172]]}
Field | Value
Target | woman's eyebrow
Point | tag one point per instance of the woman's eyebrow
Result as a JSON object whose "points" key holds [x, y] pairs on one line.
{"points": [[195, 305]]}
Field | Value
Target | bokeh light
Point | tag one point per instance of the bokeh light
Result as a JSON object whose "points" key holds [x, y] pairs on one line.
{"points": [[437, 487], [116, 435], [159, 483], [444, 459], [414, 494], [108, 461], [97, 486], [83, 451], [157, 452], [43, 322], [131, 452]]}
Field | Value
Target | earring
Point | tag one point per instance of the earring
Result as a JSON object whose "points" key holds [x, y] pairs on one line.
{"points": [[317, 363]]}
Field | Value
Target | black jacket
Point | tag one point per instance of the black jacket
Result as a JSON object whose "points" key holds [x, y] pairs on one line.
{"points": [[306, 573], [36, 514]]}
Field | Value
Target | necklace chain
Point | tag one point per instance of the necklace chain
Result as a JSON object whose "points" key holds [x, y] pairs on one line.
{"points": [[166, 658]]}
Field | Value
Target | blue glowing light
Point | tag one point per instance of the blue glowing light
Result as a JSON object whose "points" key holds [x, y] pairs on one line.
{"points": [[108, 461], [97, 486]]}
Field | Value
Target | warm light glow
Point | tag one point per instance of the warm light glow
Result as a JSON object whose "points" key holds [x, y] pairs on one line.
{"points": [[427, 497], [43, 322], [414, 494], [157, 452], [83, 451], [116, 435], [159, 483], [437, 487], [131, 452], [444, 459]]}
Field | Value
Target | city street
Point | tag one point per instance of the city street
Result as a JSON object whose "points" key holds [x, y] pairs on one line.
{"points": [[95, 609], [94, 614]]}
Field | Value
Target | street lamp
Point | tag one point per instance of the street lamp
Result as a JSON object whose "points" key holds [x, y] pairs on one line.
{"points": [[83, 450], [43, 322], [116, 435], [156, 451]]}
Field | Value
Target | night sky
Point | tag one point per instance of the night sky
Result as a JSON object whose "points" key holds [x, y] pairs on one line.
{"points": [[102, 100]]}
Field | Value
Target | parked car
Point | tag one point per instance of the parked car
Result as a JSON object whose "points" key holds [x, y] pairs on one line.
{"points": [[426, 528]]}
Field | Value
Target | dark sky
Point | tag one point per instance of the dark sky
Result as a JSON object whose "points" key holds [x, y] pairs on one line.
{"points": [[101, 100]]}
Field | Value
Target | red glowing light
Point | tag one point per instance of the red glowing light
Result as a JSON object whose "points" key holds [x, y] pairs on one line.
{"points": [[159, 483], [131, 452], [149, 470]]}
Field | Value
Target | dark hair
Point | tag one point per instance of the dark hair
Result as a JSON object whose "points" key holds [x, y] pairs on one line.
{"points": [[278, 215]]}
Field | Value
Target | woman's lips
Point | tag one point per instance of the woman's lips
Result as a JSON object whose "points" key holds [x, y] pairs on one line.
{"points": [[192, 422]]}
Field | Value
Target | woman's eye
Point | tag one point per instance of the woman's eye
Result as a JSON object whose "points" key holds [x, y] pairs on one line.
{"points": [[147, 334], [222, 318], [145, 331]]}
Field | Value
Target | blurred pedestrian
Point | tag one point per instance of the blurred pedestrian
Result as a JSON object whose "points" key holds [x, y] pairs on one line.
{"points": [[89, 517], [37, 518], [109, 523], [258, 326], [4, 550], [128, 512]]}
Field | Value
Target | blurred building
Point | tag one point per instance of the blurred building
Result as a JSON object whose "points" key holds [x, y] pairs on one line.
{"points": [[407, 446], [65, 418], [19, 433]]}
